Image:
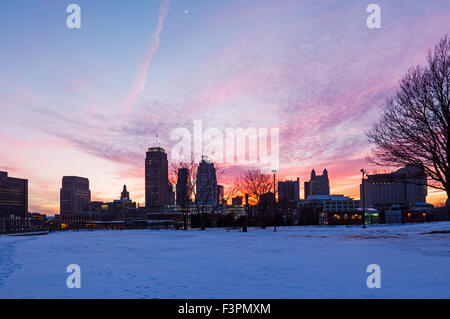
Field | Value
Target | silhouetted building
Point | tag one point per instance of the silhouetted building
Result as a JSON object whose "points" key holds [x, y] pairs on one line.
{"points": [[330, 203], [329, 210], [267, 199], [123, 206], [99, 207], [35, 221], [289, 190], [75, 195], [206, 184], [120, 207], [125, 195], [405, 186], [236, 200], [13, 196], [170, 194], [156, 179], [182, 187], [220, 194], [318, 185], [266, 208]]}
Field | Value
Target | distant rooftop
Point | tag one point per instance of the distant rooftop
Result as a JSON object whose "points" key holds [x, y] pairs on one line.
{"points": [[71, 177], [5, 175], [328, 197], [156, 149]]}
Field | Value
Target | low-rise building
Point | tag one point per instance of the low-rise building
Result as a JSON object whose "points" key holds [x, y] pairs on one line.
{"points": [[341, 218], [330, 203]]}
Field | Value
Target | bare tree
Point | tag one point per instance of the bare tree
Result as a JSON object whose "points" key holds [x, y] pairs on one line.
{"points": [[191, 178], [255, 183], [414, 127]]}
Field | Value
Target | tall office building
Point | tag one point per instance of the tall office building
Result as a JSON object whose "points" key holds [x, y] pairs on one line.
{"points": [[289, 190], [405, 186], [318, 184], [156, 179], [220, 194], [170, 194], [206, 184], [13, 196], [75, 195], [182, 188]]}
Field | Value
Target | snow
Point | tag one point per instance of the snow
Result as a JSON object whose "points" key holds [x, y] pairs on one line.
{"points": [[294, 262]]}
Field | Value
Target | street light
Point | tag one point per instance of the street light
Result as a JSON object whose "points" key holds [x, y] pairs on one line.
{"points": [[274, 202], [363, 172], [246, 212]]}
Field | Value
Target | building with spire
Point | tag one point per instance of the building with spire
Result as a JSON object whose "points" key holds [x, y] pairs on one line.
{"points": [[125, 195], [122, 206], [318, 184]]}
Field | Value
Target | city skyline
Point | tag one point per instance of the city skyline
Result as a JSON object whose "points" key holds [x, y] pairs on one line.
{"points": [[74, 103], [75, 194]]}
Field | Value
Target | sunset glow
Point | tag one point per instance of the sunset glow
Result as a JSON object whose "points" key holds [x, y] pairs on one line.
{"points": [[91, 101]]}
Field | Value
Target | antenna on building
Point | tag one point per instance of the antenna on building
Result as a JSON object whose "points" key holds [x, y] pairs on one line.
{"points": [[157, 141]]}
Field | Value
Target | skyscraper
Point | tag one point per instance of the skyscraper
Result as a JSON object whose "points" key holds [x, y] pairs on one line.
{"points": [[75, 195], [156, 179], [13, 196], [170, 194], [318, 184], [289, 190], [182, 187], [206, 184], [220, 194]]}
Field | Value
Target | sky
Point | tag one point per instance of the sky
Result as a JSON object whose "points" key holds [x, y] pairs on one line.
{"points": [[90, 101]]}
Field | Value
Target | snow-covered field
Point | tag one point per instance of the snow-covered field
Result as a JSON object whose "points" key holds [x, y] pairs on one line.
{"points": [[295, 262]]}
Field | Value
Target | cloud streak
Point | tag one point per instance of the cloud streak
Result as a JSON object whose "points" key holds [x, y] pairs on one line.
{"points": [[141, 77], [319, 80]]}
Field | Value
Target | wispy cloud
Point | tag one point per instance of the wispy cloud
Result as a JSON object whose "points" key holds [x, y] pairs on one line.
{"points": [[141, 77], [289, 65]]}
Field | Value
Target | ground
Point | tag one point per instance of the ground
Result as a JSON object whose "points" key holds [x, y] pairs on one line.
{"points": [[294, 262]]}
